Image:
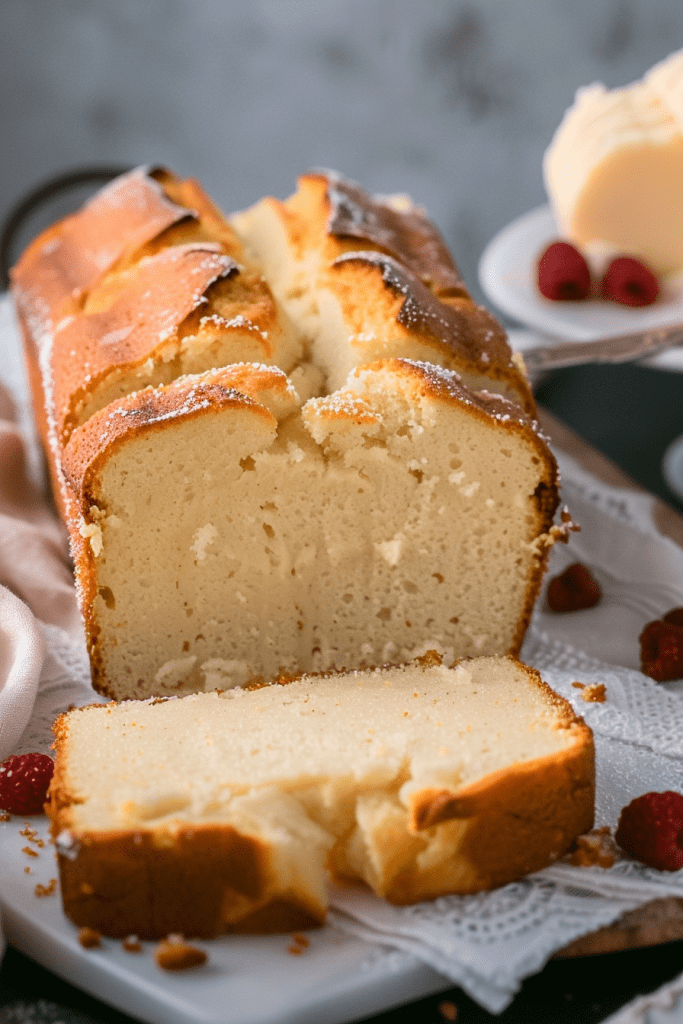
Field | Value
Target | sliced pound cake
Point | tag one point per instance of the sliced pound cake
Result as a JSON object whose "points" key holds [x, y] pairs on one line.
{"points": [[222, 811], [283, 442], [223, 534]]}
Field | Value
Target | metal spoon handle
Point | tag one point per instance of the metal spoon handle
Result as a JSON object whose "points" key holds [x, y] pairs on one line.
{"points": [[618, 348]]}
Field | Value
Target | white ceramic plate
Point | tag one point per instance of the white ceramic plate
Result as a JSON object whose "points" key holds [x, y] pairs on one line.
{"points": [[246, 980], [507, 274]]}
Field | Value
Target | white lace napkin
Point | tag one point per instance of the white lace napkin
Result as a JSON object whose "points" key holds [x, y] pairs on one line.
{"points": [[489, 942]]}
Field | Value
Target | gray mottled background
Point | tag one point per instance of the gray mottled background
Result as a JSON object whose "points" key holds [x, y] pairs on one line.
{"points": [[453, 101]]}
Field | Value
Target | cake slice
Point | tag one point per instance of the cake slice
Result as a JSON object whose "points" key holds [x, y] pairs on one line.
{"points": [[221, 536], [222, 811]]}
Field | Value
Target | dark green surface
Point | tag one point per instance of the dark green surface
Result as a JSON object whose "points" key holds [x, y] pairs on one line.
{"points": [[580, 991], [32, 994], [630, 413]]}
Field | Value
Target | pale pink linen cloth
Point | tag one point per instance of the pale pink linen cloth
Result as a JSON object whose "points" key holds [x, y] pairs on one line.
{"points": [[36, 586], [43, 663]]}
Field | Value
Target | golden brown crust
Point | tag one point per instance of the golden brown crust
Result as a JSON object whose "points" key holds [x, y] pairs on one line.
{"points": [[200, 881], [55, 273], [345, 224], [437, 805], [454, 333], [151, 285], [102, 291], [397, 228], [66, 260], [467, 331], [507, 825], [445, 384], [165, 290]]}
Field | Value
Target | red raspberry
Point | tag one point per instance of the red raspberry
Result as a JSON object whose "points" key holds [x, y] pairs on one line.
{"points": [[651, 830], [661, 650], [24, 780], [629, 282], [563, 273], [573, 589]]}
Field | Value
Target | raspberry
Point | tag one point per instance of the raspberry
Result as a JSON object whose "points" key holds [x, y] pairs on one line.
{"points": [[573, 589], [661, 650], [563, 273], [629, 282], [651, 830], [24, 780]]}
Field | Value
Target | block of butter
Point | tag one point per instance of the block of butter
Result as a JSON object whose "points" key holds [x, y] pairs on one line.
{"points": [[614, 169]]}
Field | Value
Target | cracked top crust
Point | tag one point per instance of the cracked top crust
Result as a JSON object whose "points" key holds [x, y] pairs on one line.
{"points": [[395, 225], [70, 257]]}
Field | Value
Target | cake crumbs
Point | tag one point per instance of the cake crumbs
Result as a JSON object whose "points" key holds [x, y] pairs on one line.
{"points": [[132, 944], [45, 890], [31, 834], [592, 693], [89, 938], [429, 658], [448, 1010], [174, 954], [299, 944], [4, 816], [594, 849], [28, 851]]}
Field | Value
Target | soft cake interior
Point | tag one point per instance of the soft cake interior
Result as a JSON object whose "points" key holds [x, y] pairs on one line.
{"points": [[394, 783], [369, 527]]}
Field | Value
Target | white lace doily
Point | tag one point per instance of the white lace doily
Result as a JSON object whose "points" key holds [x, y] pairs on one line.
{"points": [[64, 683]]}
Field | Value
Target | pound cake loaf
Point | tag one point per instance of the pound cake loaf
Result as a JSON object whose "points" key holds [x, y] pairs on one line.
{"points": [[226, 811], [277, 457]]}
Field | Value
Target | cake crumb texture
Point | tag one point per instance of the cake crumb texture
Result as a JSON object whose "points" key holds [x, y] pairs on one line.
{"points": [[228, 811]]}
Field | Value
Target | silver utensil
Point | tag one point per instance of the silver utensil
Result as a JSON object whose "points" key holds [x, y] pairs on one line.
{"points": [[618, 348]]}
